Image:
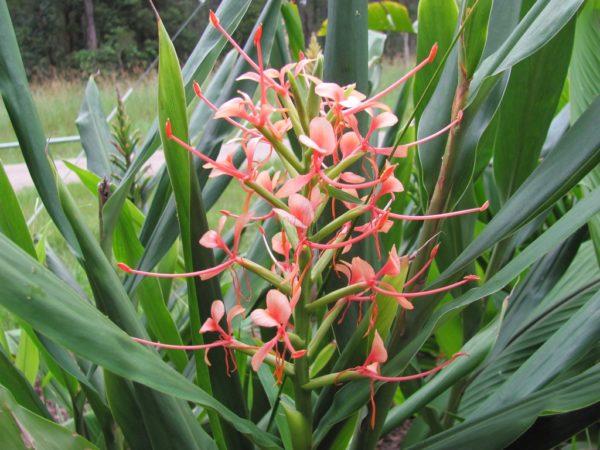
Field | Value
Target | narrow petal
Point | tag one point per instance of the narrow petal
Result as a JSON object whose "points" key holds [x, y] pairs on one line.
{"points": [[262, 353]]}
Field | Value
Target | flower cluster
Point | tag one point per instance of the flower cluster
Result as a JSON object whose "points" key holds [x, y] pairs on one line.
{"points": [[320, 178]]}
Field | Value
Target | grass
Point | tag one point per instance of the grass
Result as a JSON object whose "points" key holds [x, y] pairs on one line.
{"points": [[58, 103]]}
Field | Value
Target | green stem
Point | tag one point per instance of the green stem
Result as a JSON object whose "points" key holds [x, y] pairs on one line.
{"points": [[338, 223], [270, 359], [323, 329], [344, 164], [282, 150], [332, 378], [302, 397], [266, 275], [275, 201], [336, 295]]}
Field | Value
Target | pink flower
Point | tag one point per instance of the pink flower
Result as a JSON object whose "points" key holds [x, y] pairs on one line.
{"points": [[276, 315]]}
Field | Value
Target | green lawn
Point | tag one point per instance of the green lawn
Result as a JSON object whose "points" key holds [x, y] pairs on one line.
{"points": [[58, 103]]}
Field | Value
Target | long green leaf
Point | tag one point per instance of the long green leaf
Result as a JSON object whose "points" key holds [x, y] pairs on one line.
{"points": [[527, 108], [437, 22], [541, 23], [558, 173], [510, 421], [26, 123], [355, 394], [193, 224], [293, 25], [584, 84], [197, 68], [12, 221], [49, 304], [35, 431], [559, 352], [476, 349], [14, 380]]}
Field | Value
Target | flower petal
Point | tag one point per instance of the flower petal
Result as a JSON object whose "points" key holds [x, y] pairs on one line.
{"points": [[262, 353], [278, 306], [321, 132], [262, 318], [217, 310], [378, 352]]}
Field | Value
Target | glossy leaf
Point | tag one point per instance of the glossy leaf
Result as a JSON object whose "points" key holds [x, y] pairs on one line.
{"points": [[389, 16], [541, 23], [34, 431], [437, 23], [551, 179], [293, 25], [94, 337], [527, 109], [515, 417]]}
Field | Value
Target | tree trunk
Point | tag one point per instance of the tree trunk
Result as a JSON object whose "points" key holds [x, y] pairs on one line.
{"points": [[91, 39]]}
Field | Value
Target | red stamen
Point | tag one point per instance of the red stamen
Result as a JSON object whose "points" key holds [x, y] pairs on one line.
{"points": [[374, 376], [434, 216], [181, 347], [215, 22], [394, 85], [211, 271], [425, 266], [425, 293]]}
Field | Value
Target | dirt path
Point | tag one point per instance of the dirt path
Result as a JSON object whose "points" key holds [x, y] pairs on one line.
{"points": [[19, 177]]}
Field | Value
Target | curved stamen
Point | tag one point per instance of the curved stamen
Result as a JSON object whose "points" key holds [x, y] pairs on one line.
{"points": [[200, 273], [212, 106], [217, 165], [375, 376], [394, 85], [433, 216], [219, 343], [425, 293], [425, 266]]}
